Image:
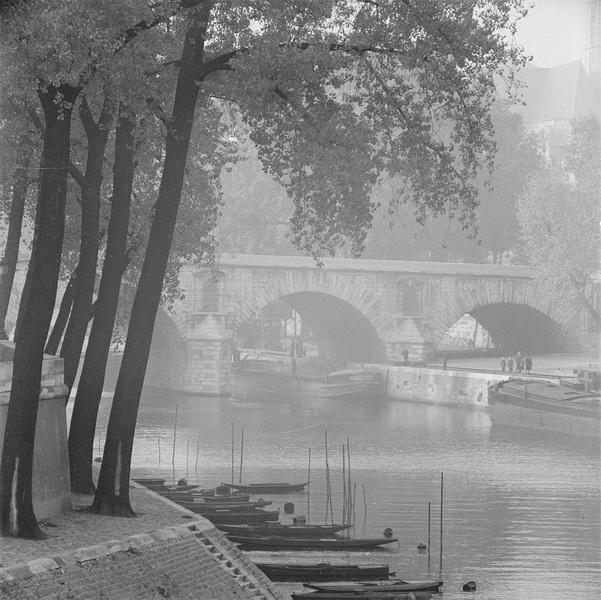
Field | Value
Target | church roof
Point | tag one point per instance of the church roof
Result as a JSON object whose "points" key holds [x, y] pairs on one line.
{"points": [[559, 93]]}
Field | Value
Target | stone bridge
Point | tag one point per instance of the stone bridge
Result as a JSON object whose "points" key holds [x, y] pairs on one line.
{"points": [[357, 310]]}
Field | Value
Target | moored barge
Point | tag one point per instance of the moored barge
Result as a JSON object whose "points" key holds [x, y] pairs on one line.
{"points": [[536, 404]]}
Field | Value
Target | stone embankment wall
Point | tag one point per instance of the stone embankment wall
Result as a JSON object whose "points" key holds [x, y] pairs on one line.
{"points": [[438, 386], [51, 487], [192, 562]]}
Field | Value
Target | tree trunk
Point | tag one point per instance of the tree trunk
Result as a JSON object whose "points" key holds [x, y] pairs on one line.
{"points": [[15, 222], [112, 494], [89, 389], [56, 335], [83, 291], [16, 506]]}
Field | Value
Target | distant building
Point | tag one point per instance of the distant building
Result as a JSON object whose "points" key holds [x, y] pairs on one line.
{"points": [[555, 96]]}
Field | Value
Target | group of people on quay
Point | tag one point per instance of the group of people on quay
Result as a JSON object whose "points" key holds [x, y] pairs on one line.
{"points": [[517, 363]]}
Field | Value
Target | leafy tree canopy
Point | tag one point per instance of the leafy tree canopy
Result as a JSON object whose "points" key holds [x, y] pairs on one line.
{"points": [[336, 95], [559, 216]]}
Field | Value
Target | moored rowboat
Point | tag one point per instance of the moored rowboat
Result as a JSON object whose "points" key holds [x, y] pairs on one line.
{"points": [[362, 596], [268, 488], [323, 571], [287, 543], [257, 516], [201, 507], [391, 585], [269, 529]]}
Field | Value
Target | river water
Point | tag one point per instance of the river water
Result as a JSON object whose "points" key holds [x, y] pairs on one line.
{"points": [[521, 513]]}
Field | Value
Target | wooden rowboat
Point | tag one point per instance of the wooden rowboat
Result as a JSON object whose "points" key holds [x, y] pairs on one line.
{"points": [[323, 571], [391, 585], [201, 507], [232, 498], [287, 543], [257, 516], [268, 488], [362, 596], [270, 529]]}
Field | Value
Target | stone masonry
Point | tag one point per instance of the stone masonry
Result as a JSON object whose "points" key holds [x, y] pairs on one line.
{"points": [[188, 559], [363, 310]]}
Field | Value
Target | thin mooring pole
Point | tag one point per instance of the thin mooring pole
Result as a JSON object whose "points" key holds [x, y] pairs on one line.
{"points": [[241, 455], [197, 451], [174, 435], [350, 501], [328, 489], [187, 455], [232, 453], [429, 503], [343, 484], [441, 502], [159, 445], [429, 537], [309, 488]]}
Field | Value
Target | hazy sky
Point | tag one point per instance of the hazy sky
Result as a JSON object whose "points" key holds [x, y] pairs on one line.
{"points": [[555, 31]]}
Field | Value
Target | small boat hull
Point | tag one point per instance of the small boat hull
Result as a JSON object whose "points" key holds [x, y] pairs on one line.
{"points": [[323, 571], [361, 596], [259, 516], [361, 587], [282, 543], [280, 529], [201, 507], [268, 488], [231, 499]]}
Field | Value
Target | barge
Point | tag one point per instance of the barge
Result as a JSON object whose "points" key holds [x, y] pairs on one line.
{"points": [[537, 404]]}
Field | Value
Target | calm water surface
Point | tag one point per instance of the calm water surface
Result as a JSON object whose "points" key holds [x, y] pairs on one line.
{"points": [[521, 510]]}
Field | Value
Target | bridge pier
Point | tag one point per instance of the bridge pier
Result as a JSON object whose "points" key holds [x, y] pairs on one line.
{"points": [[409, 337], [208, 359]]}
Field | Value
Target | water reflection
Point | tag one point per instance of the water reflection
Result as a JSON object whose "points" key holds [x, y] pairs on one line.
{"points": [[522, 510]]}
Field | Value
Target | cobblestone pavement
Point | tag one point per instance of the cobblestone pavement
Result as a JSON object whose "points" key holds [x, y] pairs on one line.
{"points": [[77, 528]]}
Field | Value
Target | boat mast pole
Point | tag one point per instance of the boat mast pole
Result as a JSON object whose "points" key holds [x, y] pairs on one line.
{"points": [[232, 454], [343, 484], [441, 503], [328, 488], [174, 436], [429, 503], [241, 455], [350, 500], [309, 488]]}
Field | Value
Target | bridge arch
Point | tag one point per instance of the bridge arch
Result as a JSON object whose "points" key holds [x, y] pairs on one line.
{"points": [[347, 317], [516, 316]]}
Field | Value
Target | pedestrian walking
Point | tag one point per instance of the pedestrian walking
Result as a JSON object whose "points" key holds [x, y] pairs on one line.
{"points": [[510, 364], [528, 364], [503, 363], [519, 363]]}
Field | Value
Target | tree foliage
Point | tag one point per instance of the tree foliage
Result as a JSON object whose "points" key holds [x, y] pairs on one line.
{"points": [[559, 216], [336, 96], [396, 235]]}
